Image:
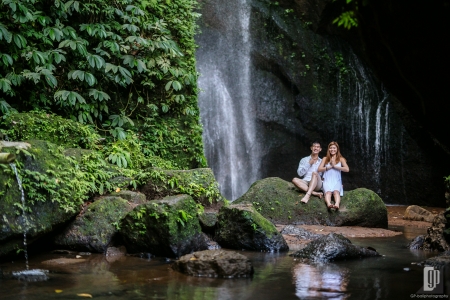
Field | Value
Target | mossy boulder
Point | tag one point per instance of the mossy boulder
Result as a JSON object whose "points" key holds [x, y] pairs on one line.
{"points": [[198, 183], [279, 201], [95, 227], [242, 227], [51, 198], [167, 227]]}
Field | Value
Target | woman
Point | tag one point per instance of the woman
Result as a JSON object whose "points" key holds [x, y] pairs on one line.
{"points": [[332, 166]]}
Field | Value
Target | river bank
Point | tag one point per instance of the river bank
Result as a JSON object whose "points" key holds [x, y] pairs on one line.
{"points": [[396, 226]]}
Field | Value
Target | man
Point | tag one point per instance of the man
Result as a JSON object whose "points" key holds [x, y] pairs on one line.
{"points": [[311, 183]]}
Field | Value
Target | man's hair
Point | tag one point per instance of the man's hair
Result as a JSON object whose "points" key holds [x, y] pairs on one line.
{"points": [[315, 142]]}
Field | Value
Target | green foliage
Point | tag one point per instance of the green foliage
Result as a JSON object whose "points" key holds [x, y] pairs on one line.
{"points": [[38, 125], [348, 18], [108, 64], [447, 182]]}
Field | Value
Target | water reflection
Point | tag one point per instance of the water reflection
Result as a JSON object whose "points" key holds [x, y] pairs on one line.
{"points": [[321, 281]]}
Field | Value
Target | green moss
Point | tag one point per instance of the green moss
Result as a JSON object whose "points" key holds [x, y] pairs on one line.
{"points": [[161, 226], [50, 127], [279, 201], [94, 229], [200, 184]]}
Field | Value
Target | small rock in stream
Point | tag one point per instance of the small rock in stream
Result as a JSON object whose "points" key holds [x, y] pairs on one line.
{"points": [[333, 247], [214, 263]]}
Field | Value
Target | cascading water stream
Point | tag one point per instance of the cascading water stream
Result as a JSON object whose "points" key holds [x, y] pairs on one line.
{"points": [[24, 217], [27, 275], [226, 107]]}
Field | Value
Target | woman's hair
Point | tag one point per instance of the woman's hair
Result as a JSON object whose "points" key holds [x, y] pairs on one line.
{"points": [[338, 153]]}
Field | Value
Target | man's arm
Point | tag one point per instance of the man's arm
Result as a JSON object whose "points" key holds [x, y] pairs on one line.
{"points": [[303, 166]]}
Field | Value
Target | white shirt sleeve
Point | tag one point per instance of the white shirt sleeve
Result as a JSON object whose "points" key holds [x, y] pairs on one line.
{"points": [[303, 166]]}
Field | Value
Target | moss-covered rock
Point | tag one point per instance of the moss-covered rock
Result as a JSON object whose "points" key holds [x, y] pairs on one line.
{"points": [[50, 197], [242, 227], [198, 183], [130, 196], [49, 127], [167, 227], [208, 222], [279, 201], [95, 227]]}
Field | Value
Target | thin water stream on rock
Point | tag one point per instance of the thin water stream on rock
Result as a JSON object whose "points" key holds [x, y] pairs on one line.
{"points": [[26, 275], [24, 216]]}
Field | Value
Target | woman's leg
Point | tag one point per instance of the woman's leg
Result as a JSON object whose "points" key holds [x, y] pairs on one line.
{"points": [[337, 199], [328, 199]]}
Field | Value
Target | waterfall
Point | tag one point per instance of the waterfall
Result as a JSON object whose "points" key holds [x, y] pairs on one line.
{"points": [[226, 110]]}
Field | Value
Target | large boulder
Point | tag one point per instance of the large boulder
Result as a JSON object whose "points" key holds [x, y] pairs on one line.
{"points": [[94, 228], [279, 201], [198, 183], [52, 195], [333, 247], [240, 226], [167, 227], [214, 263]]}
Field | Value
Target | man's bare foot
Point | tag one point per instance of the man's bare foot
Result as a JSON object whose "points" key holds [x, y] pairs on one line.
{"points": [[306, 198], [318, 194]]}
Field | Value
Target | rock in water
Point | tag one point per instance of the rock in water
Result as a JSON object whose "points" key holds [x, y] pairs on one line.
{"points": [[435, 237], [442, 260], [417, 242], [333, 247], [240, 226], [45, 214], [417, 213], [167, 227], [279, 201], [31, 275], [93, 229], [214, 263]]}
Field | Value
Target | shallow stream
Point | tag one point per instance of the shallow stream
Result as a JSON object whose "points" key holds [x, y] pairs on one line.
{"points": [[277, 276]]}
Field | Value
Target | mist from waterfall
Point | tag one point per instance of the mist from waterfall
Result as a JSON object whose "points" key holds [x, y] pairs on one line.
{"points": [[226, 109]]}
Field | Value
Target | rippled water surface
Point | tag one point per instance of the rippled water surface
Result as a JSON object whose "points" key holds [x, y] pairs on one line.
{"points": [[277, 276]]}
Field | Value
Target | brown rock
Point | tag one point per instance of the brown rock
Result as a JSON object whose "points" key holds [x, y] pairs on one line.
{"points": [[214, 263], [417, 213]]}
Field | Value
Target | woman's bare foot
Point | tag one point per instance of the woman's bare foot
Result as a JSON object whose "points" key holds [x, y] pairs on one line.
{"points": [[306, 198], [318, 194]]}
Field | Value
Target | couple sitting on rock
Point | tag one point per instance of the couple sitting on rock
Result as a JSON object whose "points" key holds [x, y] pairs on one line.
{"points": [[322, 174]]}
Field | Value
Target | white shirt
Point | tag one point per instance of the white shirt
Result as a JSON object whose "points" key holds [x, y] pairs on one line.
{"points": [[306, 170]]}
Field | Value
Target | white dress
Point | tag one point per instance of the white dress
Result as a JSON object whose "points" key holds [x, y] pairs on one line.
{"points": [[332, 180]]}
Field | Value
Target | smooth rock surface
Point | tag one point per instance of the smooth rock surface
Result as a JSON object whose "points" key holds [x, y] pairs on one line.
{"points": [[333, 247], [214, 263]]}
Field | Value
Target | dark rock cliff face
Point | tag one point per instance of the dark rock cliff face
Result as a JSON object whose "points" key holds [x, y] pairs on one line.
{"points": [[305, 86]]}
